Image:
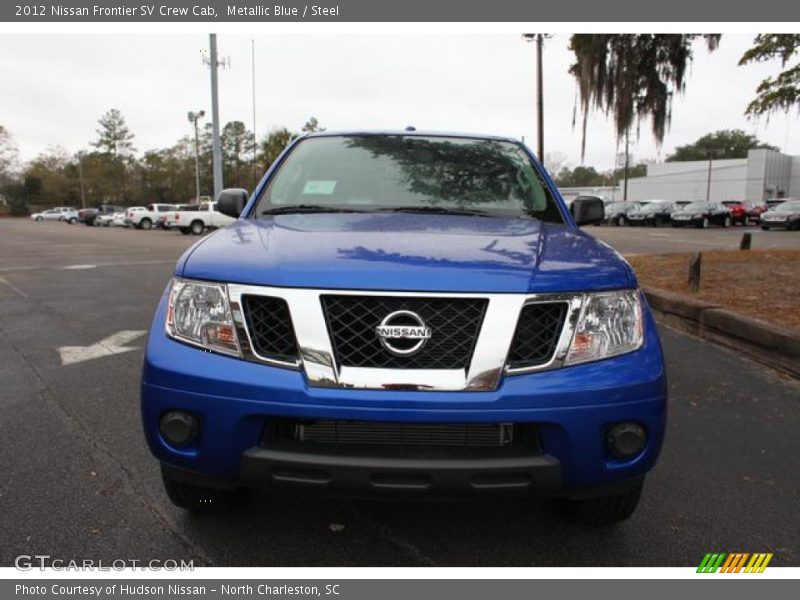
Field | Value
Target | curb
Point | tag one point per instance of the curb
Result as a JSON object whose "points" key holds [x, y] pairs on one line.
{"points": [[777, 347]]}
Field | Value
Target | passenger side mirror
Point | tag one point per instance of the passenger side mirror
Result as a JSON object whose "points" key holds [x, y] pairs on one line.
{"points": [[587, 211], [231, 201]]}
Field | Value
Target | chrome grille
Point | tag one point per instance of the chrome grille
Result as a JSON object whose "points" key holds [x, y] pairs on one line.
{"points": [[454, 323]]}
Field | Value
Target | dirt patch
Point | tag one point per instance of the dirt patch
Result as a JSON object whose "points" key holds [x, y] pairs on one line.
{"points": [[764, 284]]}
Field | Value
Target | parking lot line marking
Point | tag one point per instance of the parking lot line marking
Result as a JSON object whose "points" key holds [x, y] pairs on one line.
{"points": [[78, 267], [13, 287], [113, 344]]}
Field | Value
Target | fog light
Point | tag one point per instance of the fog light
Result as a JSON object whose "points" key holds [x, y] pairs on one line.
{"points": [[626, 440], [179, 428]]}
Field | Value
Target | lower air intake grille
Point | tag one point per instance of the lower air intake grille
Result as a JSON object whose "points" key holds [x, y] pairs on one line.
{"points": [[537, 333], [270, 327], [475, 435]]}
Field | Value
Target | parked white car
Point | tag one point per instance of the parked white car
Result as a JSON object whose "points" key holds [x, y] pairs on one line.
{"points": [[70, 216], [106, 219], [147, 218], [53, 214], [119, 220], [196, 220]]}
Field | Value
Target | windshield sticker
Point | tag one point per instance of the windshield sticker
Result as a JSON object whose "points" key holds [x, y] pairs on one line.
{"points": [[319, 188]]}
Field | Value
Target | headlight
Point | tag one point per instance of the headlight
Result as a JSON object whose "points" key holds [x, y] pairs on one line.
{"points": [[199, 314], [610, 324]]}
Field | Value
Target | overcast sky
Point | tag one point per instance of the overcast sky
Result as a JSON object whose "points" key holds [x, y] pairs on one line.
{"points": [[54, 88]]}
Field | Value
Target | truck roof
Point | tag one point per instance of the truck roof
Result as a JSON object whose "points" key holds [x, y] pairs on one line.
{"points": [[420, 133]]}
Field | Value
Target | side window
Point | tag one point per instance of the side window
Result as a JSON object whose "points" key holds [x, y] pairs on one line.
{"points": [[150, 207]]}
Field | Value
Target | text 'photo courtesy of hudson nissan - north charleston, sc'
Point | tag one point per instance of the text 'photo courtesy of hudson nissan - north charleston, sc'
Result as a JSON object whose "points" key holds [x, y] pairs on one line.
{"points": [[407, 315]]}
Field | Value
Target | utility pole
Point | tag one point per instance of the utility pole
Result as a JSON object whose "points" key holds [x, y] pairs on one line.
{"points": [[539, 39], [216, 146], [80, 178], [255, 142], [540, 95], [194, 117]]}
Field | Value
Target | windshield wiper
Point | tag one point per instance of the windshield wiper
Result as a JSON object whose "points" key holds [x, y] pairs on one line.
{"points": [[438, 210], [306, 208]]}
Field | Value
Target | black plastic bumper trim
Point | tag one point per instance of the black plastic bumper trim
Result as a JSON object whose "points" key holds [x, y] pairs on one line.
{"points": [[371, 475]]}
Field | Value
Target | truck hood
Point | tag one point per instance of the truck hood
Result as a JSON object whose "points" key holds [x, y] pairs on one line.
{"points": [[406, 252]]}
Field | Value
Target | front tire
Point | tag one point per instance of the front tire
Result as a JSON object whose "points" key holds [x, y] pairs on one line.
{"points": [[145, 224], [605, 510], [704, 223], [200, 499], [765, 227], [39, 219], [72, 221], [726, 222]]}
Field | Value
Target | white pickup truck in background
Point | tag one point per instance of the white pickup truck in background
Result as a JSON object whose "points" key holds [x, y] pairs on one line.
{"points": [[197, 219], [146, 218]]}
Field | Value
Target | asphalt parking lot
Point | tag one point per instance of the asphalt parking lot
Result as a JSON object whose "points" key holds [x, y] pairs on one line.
{"points": [[78, 481]]}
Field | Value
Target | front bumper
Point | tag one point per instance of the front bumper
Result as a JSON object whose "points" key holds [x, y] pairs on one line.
{"points": [[571, 408], [779, 223]]}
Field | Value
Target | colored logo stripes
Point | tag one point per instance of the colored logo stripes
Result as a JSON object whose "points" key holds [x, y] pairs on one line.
{"points": [[734, 562]]}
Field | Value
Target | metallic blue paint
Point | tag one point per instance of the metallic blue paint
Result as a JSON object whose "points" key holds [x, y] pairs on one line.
{"points": [[410, 252]]}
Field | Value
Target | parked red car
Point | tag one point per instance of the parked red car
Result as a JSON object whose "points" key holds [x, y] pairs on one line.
{"points": [[738, 211], [754, 210]]}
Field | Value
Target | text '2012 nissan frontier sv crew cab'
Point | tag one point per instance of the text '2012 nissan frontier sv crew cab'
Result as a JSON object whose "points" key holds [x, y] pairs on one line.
{"points": [[408, 315]]}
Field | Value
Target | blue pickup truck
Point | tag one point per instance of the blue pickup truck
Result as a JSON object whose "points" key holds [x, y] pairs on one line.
{"points": [[405, 314]]}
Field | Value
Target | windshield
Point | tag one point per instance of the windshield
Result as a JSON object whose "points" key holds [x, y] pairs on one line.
{"points": [[408, 173], [787, 207], [697, 206]]}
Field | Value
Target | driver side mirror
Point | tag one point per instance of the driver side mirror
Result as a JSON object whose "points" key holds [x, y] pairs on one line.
{"points": [[587, 211], [231, 201]]}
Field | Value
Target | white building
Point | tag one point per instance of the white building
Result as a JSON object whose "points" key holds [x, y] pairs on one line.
{"points": [[763, 174]]}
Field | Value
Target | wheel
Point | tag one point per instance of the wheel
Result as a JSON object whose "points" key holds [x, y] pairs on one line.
{"points": [[765, 227], [726, 222], [185, 230], [200, 499], [704, 223], [620, 220], [605, 510], [197, 227], [72, 221], [38, 219], [88, 223], [145, 224]]}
